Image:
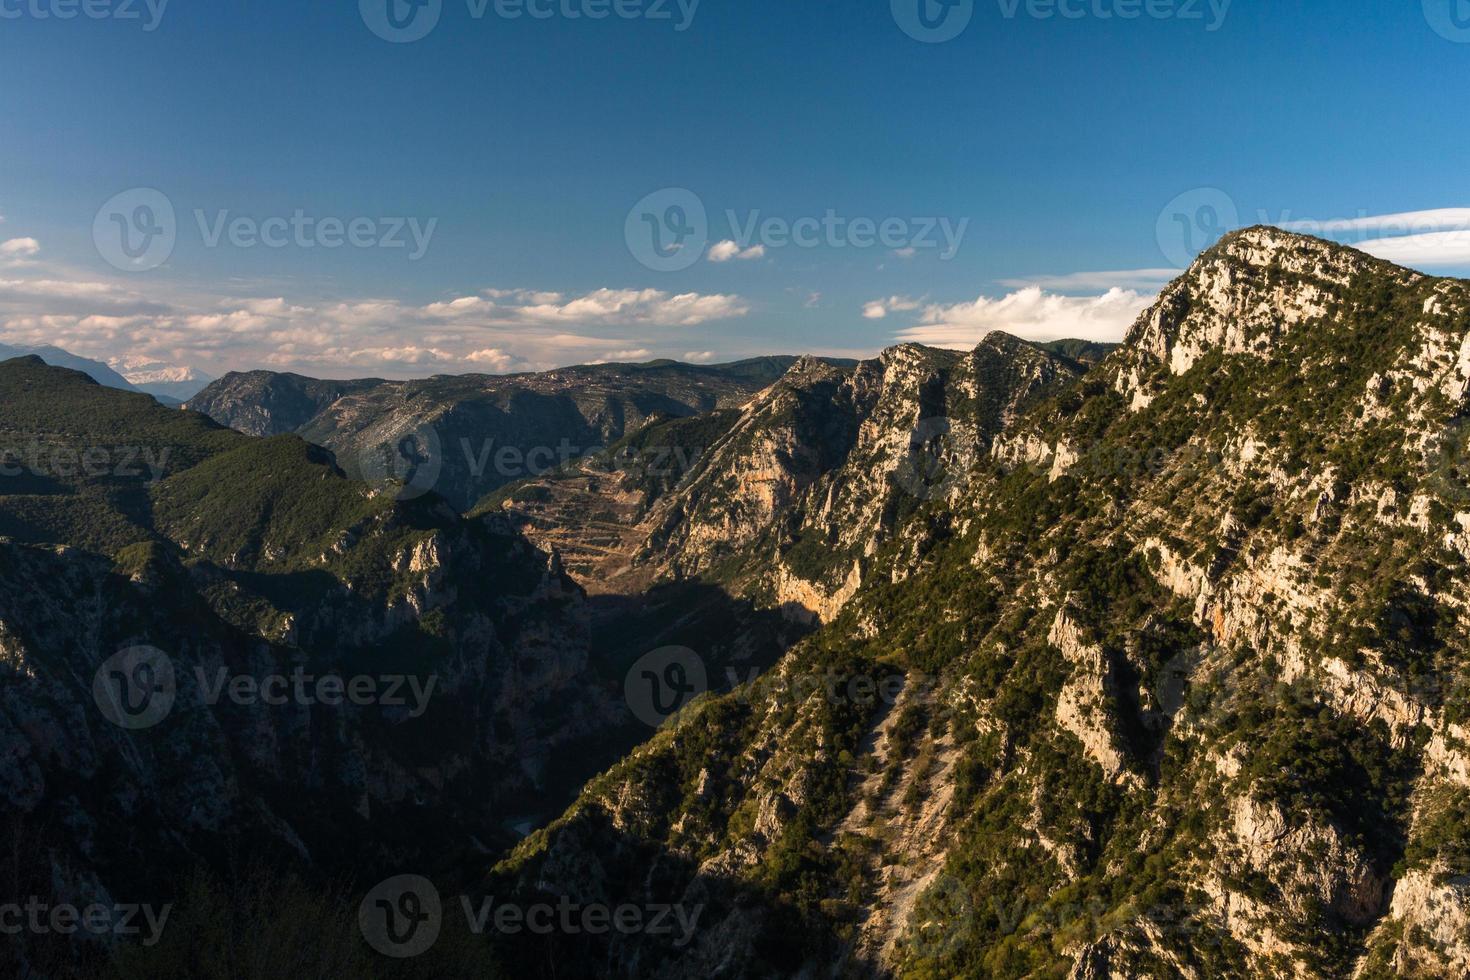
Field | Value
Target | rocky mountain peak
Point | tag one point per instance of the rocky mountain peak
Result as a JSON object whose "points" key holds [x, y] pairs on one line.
{"points": [[1250, 291], [1002, 341], [916, 355], [809, 368]]}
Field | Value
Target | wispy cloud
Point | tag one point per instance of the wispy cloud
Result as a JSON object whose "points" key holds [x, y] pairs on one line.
{"points": [[1436, 238], [1030, 313], [1434, 250], [1145, 279], [624, 356], [1402, 223]]}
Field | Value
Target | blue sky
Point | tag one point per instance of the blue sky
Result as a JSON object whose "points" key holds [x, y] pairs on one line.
{"points": [[517, 148]]}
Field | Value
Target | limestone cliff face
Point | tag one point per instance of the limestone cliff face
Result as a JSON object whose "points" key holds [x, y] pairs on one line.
{"points": [[808, 485], [1182, 670]]}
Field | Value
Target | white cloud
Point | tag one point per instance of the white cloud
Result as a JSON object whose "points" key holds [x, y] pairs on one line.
{"points": [[19, 251], [880, 308], [497, 361], [1148, 279], [22, 247], [399, 355], [700, 356], [731, 251], [652, 307], [906, 253], [1031, 314]]}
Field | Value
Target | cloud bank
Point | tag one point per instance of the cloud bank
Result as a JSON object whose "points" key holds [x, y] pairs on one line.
{"points": [[1032, 314], [493, 331]]}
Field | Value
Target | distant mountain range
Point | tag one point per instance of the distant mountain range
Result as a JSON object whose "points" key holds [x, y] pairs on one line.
{"points": [[171, 385], [56, 357], [479, 433]]}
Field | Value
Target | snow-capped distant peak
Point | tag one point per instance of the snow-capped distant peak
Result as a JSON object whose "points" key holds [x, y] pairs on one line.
{"points": [[177, 381], [142, 371]]}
